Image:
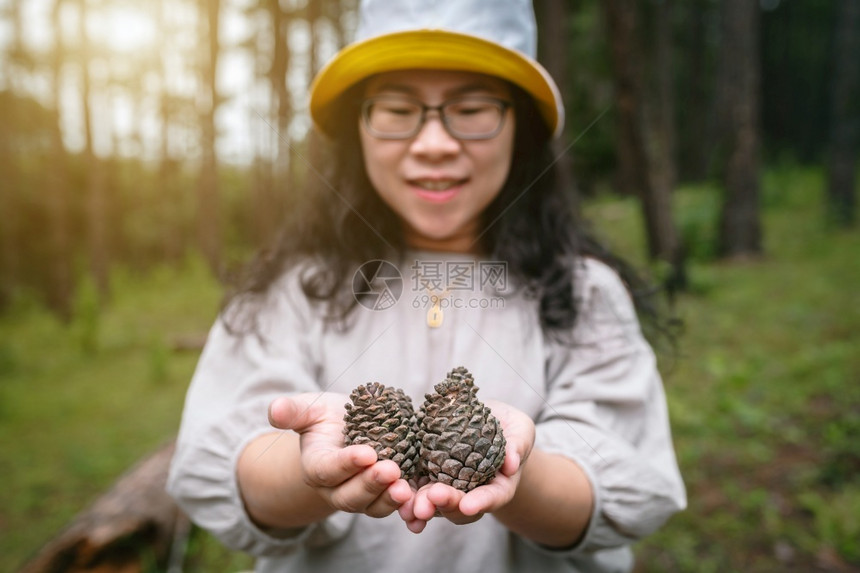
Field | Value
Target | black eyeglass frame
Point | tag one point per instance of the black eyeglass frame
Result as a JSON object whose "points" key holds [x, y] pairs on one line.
{"points": [[368, 103]]}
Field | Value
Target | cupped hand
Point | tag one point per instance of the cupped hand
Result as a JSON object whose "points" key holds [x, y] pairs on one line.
{"points": [[440, 500], [348, 478]]}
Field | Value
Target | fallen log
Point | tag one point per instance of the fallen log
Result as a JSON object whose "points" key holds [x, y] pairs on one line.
{"points": [[128, 529]]}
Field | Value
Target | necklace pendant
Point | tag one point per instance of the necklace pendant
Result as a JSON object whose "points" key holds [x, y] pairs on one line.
{"points": [[435, 316]]}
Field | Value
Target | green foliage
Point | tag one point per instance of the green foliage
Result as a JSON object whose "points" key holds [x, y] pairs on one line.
{"points": [[698, 211], [205, 554], [588, 94], [159, 359], [87, 314], [836, 519], [839, 449]]}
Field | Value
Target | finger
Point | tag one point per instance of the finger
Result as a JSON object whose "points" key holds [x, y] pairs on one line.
{"points": [[489, 497], [433, 498], [512, 461], [407, 514], [390, 500], [447, 501], [416, 525], [405, 510], [297, 413], [480, 500], [358, 493], [331, 468], [401, 492], [423, 508], [445, 498]]}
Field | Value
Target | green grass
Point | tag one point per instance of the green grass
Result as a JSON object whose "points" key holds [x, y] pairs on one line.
{"points": [[80, 403], [763, 393]]}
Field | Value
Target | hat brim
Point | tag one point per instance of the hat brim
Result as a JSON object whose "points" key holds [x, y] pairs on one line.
{"points": [[430, 49]]}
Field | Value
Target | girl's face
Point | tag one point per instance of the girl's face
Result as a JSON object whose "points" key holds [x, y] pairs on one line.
{"points": [[437, 184]]}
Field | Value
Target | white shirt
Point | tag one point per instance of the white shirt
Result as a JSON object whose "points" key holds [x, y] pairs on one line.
{"points": [[599, 402]]}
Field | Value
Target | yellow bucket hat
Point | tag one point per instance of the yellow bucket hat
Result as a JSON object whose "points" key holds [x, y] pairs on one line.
{"points": [[493, 37]]}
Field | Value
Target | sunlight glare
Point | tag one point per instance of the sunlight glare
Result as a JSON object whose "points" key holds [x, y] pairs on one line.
{"points": [[122, 28]]}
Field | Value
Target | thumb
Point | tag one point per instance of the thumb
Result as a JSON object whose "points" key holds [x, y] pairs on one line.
{"points": [[297, 413], [512, 461]]}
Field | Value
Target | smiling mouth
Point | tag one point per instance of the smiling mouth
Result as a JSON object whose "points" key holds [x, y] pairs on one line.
{"points": [[437, 184]]}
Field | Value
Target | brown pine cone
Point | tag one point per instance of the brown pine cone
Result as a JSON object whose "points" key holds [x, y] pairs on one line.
{"points": [[383, 418], [460, 441]]}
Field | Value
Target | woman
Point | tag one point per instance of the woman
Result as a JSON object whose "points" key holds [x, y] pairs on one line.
{"points": [[439, 239]]}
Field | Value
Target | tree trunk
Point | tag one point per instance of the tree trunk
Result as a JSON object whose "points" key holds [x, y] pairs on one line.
{"points": [[634, 169], [629, 147], [697, 108], [280, 179], [554, 23], [740, 232], [845, 117], [662, 152], [664, 172], [171, 242], [208, 221], [60, 287], [336, 9], [96, 173], [314, 158], [314, 13], [10, 262]]}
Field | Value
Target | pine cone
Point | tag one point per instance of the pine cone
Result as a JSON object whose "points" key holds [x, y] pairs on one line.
{"points": [[383, 418], [460, 441]]}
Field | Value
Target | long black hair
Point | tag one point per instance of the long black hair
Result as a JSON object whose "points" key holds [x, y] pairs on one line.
{"points": [[342, 223]]}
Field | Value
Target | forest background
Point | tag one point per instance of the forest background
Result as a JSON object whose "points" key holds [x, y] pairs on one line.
{"points": [[147, 148]]}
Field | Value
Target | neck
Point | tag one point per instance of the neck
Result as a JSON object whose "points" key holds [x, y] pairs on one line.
{"points": [[466, 247], [464, 243]]}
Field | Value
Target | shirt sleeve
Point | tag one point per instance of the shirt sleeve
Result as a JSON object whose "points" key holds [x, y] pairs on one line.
{"points": [[606, 410], [226, 407]]}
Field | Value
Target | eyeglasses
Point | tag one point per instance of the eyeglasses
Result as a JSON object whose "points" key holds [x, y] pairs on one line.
{"points": [[402, 117]]}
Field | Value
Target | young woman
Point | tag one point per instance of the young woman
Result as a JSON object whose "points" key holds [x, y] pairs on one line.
{"points": [[439, 238]]}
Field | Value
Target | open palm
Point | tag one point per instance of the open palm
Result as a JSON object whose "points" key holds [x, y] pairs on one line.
{"points": [[349, 478], [441, 500]]}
